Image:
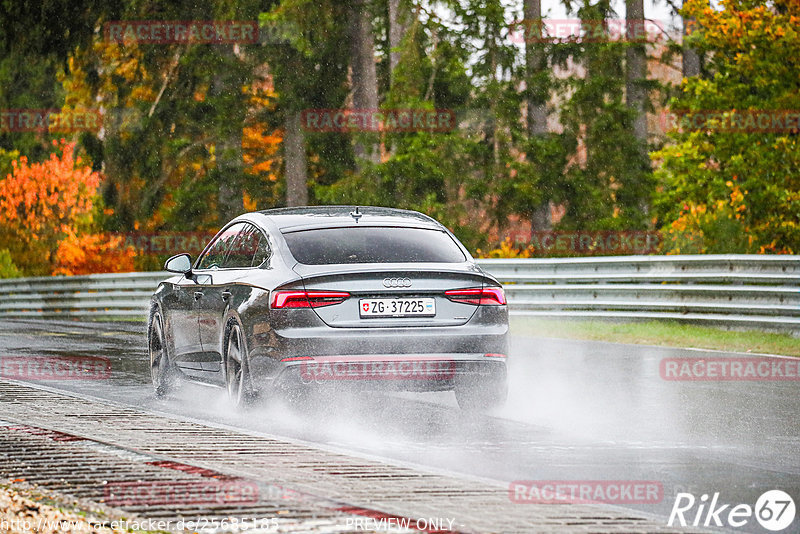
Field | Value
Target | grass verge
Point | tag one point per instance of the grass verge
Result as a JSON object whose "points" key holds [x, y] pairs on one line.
{"points": [[663, 333]]}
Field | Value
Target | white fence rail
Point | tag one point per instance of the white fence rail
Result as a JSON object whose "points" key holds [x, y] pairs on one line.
{"points": [[754, 291], [737, 290]]}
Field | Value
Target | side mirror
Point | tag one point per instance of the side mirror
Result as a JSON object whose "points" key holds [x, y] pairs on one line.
{"points": [[181, 264]]}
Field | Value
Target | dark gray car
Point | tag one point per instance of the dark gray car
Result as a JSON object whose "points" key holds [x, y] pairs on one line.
{"points": [[321, 297]]}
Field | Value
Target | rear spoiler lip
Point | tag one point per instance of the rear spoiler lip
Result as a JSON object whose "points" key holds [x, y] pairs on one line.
{"points": [[315, 271]]}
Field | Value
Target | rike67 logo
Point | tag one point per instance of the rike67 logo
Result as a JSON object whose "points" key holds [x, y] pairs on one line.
{"points": [[774, 510]]}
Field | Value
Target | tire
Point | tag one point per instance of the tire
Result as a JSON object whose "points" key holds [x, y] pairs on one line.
{"points": [[238, 383], [163, 373], [482, 397]]}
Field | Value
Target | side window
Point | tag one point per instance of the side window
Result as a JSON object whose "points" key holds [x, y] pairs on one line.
{"points": [[263, 251], [215, 255], [241, 253]]}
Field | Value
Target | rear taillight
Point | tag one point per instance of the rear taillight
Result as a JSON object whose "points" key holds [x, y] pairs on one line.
{"points": [[306, 299], [297, 359], [487, 296]]}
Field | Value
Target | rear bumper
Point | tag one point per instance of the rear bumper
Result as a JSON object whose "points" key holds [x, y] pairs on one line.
{"points": [[393, 372], [325, 341], [302, 333], [281, 350]]}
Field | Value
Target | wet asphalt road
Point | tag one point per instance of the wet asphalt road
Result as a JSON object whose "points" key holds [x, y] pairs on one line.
{"points": [[577, 410]]}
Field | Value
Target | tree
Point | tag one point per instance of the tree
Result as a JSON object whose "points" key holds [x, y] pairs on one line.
{"points": [[430, 171], [636, 71], [608, 184], [399, 15], [495, 75], [41, 204], [537, 88], [227, 103], [174, 114], [296, 162], [93, 253], [728, 184], [691, 62], [363, 78], [309, 69], [35, 42]]}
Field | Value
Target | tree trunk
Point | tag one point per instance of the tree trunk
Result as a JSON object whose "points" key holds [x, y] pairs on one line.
{"points": [[398, 19], [534, 64], [364, 77], [227, 86], [230, 201], [537, 100], [636, 72], [111, 187], [691, 59], [294, 153]]}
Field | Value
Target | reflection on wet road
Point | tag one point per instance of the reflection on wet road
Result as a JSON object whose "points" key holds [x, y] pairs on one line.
{"points": [[577, 411]]}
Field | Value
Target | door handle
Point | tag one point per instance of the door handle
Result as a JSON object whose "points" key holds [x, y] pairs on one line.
{"points": [[198, 295], [226, 295]]}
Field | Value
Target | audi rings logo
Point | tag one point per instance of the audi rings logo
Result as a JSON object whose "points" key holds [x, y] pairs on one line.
{"points": [[397, 282]]}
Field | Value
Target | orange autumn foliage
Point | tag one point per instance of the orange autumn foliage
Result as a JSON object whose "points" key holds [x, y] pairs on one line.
{"points": [[45, 207], [42, 200], [260, 150], [261, 144], [93, 253]]}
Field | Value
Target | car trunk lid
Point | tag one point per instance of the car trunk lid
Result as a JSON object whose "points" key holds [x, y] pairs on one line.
{"points": [[373, 292]]}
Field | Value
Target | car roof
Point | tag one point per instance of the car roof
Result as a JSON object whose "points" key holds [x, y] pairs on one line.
{"points": [[308, 217]]}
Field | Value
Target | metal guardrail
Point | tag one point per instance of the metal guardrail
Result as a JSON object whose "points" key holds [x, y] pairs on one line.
{"points": [[95, 296], [754, 291]]}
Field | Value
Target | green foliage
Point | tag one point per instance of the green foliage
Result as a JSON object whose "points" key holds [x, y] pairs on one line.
{"points": [[310, 72], [731, 189], [608, 188], [6, 158], [7, 267], [35, 42], [429, 171], [171, 154]]}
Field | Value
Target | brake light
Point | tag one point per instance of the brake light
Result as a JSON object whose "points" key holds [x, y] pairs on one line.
{"points": [[297, 359], [307, 299], [487, 296]]}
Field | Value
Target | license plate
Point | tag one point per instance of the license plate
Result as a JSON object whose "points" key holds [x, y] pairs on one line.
{"points": [[401, 307]]}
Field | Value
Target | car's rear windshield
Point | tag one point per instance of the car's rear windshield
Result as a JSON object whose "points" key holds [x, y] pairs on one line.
{"points": [[366, 244]]}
